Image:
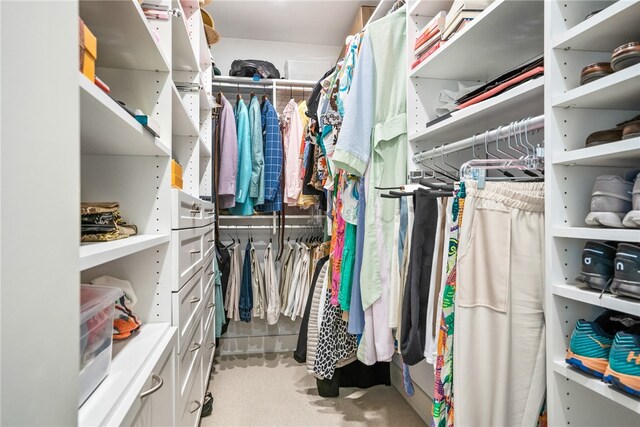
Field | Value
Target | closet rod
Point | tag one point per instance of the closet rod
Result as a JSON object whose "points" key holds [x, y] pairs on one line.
{"points": [[533, 123], [268, 227], [258, 85]]}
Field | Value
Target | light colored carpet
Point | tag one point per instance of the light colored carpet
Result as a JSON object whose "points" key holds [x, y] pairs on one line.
{"points": [[275, 390]]}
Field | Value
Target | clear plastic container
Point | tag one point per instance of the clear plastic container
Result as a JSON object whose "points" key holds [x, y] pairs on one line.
{"points": [[96, 335]]}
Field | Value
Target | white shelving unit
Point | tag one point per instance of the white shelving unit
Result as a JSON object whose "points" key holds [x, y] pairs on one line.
{"points": [[572, 112], [506, 34]]}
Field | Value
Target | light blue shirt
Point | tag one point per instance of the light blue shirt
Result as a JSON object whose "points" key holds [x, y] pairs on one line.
{"points": [[244, 203], [256, 189]]}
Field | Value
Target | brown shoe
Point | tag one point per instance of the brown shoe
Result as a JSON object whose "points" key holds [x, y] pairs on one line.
{"points": [[627, 129], [594, 72], [631, 130]]}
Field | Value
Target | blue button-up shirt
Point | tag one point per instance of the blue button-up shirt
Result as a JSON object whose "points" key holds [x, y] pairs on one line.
{"points": [[273, 155]]}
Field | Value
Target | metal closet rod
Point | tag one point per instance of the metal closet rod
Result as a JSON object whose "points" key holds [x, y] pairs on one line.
{"points": [[267, 227], [258, 86], [533, 123]]}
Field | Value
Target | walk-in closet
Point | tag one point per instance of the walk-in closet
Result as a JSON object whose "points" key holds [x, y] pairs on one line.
{"points": [[320, 213]]}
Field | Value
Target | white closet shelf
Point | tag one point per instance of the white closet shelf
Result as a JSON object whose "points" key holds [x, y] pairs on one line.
{"points": [[596, 385], [181, 122], [604, 31], [124, 36], [132, 362], [621, 153], [592, 296], [204, 150], [593, 233], [205, 102], [107, 129], [522, 101], [619, 90], [505, 35], [205, 53], [429, 8], [94, 254], [183, 55]]}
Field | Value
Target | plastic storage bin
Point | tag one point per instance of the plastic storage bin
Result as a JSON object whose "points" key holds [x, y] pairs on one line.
{"points": [[96, 335]]}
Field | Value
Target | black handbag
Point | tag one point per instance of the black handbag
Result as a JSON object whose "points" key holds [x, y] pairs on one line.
{"points": [[252, 67]]}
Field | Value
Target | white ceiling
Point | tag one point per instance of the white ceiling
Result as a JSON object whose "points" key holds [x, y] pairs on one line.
{"points": [[324, 22]]}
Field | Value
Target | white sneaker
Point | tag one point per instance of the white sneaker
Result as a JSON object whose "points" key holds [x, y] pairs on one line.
{"points": [[632, 219]]}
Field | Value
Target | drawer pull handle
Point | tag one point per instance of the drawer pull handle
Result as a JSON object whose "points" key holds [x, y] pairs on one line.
{"points": [[194, 300], [155, 388], [210, 305], [194, 252], [211, 273], [210, 241], [197, 407], [211, 345], [196, 347]]}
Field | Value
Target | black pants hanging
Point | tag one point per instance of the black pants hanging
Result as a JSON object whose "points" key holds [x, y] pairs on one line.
{"points": [[416, 292]]}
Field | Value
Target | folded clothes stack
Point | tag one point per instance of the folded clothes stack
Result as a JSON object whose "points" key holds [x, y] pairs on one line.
{"points": [[506, 81], [429, 39], [101, 222]]}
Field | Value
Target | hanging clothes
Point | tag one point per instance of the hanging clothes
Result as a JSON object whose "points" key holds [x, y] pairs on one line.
{"points": [[244, 203], [416, 292], [443, 396], [300, 353], [232, 299], [437, 274], [356, 314], [286, 272], [223, 258], [273, 156], [313, 330], [257, 286], [271, 286], [229, 152], [334, 343], [499, 315], [292, 138], [256, 189], [375, 135], [218, 300], [246, 291], [406, 255]]}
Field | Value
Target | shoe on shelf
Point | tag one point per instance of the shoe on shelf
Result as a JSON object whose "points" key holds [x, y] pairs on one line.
{"points": [[610, 201], [623, 370], [626, 281], [632, 218], [625, 130], [597, 264], [591, 341]]}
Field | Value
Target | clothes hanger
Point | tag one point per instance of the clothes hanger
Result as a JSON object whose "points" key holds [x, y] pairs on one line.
{"points": [[488, 153], [238, 96]]}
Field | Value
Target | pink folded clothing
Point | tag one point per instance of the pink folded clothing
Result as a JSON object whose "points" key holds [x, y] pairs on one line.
{"points": [[537, 71]]}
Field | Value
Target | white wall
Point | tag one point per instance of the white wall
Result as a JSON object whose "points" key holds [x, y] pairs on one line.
{"points": [[229, 49]]}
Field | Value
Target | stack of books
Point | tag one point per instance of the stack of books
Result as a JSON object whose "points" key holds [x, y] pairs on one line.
{"points": [[429, 39], [461, 13]]}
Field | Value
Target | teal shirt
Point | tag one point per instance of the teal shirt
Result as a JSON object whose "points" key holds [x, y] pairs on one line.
{"points": [[244, 203], [256, 188]]}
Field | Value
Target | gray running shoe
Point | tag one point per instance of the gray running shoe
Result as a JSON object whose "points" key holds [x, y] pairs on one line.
{"points": [[597, 265], [610, 201], [632, 219], [627, 276]]}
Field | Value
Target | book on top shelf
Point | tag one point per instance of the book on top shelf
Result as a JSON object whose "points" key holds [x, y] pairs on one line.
{"points": [[426, 46], [435, 26], [426, 54], [452, 31]]}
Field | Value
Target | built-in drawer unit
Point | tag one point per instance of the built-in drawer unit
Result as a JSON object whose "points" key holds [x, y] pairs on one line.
{"points": [[186, 310], [189, 211]]}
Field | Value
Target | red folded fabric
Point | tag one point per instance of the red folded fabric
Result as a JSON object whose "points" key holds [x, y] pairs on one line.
{"points": [[425, 55], [496, 90], [425, 37]]}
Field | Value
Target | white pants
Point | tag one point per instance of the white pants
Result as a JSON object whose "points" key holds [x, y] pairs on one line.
{"points": [[499, 340]]}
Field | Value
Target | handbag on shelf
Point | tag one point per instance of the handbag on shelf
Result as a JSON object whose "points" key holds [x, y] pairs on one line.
{"points": [[253, 67]]}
